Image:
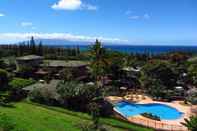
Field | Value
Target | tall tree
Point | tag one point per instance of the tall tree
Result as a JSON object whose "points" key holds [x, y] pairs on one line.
{"points": [[40, 49], [78, 50], [99, 62], [33, 45], [67, 75], [95, 114]]}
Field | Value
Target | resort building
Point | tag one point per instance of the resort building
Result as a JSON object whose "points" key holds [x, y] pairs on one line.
{"points": [[78, 68], [28, 61], [40, 68]]}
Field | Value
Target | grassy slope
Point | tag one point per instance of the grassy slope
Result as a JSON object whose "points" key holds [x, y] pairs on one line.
{"points": [[34, 117]]}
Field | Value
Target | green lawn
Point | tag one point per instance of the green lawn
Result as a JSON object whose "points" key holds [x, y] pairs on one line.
{"points": [[35, 117]]}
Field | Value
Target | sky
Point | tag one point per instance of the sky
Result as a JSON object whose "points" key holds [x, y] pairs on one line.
{"points": [[147, 22]]}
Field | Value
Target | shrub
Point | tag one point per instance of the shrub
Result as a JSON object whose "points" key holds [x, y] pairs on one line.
{"points": [[16, 92], [84, 126], [192, 72], [3, 79], [151, 116], [192, 96], [160, 70], [6, 123], [19, 83], [44, 96], [5, 99], [2, 63], [72, 93], [191, 123]]}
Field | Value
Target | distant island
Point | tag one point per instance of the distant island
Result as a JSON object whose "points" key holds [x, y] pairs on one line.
{"points": [[125, 48]]}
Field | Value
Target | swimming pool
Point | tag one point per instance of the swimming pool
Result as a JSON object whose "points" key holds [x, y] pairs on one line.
{"points": [[165, 112]]}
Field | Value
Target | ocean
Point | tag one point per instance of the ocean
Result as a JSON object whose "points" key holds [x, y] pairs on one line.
{"points": [[142, 49]]}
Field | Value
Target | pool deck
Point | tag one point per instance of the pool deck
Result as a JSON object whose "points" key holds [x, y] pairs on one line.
{"points": [[185, 109]]}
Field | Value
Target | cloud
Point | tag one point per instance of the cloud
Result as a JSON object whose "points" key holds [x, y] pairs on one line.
{"points": [[33, 28], [139, 17], [26, 24], [72, 5], [146, 16], [67, 5], [1, 14], [89, 7], [128, 12], [135, 17], [61, 36]]}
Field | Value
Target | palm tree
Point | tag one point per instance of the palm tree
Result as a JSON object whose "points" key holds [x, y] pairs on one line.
{"points": [[99, 62], [191, 123], [66, 75], [95, 114]]}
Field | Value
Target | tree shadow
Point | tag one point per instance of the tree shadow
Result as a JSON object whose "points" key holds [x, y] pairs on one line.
{"points": [[7, 105]]}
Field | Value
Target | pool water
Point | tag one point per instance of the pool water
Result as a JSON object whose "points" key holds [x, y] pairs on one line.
{"points": [[165, 112]]}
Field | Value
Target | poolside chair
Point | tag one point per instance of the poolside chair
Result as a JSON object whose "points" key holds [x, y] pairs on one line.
{"points": [[143, 97]]}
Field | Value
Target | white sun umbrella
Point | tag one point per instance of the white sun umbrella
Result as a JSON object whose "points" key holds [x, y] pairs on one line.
{"points": [[179, 88]]}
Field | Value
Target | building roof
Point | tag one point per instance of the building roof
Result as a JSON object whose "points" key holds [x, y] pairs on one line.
{"points": [[131, 69], [61, 63], [193, 59], [41, 72], [52, 85], [29, 57]]}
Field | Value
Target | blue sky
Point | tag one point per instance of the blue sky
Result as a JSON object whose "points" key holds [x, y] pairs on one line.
{"points": [[115, 21]]}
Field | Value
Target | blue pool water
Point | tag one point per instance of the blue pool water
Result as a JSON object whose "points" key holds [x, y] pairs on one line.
{"points": [[163, 111]]}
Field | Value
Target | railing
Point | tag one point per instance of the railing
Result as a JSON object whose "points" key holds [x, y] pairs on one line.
{"points": [[156, 124], [194, 110]]}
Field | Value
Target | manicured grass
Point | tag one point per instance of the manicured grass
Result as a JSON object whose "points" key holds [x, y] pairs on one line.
{"points": [[35, 117]]}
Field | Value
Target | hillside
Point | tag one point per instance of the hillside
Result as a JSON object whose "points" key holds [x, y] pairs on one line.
{"points": [[34, 117]]}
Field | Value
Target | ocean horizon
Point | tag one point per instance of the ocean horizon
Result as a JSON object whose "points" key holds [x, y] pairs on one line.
{"points": [[141, 49]]}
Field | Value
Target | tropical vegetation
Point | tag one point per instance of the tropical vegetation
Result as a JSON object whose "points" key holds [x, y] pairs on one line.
{"points": [[191, 123], [157, 75]]}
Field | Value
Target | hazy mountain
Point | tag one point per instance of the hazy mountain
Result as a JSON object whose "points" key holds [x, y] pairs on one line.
{"points": [[59, 42], [62, 42]]}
